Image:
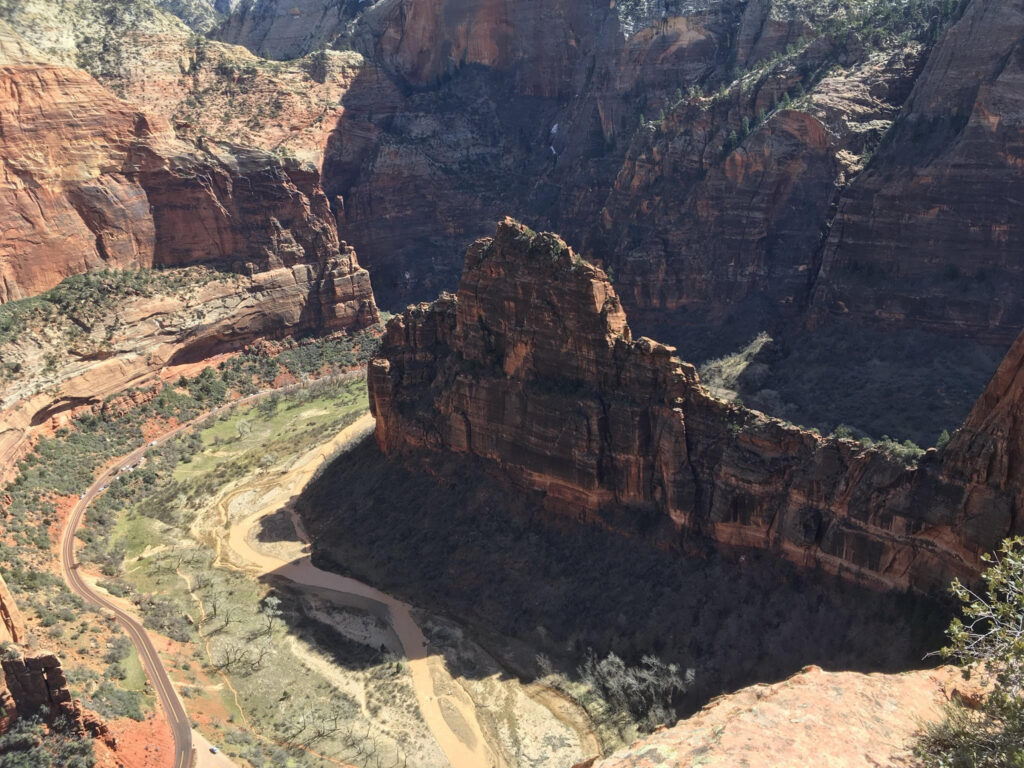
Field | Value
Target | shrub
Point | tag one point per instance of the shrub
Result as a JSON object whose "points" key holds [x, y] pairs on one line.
{"points": [[646, 692], [30, 744], [988, 640]]}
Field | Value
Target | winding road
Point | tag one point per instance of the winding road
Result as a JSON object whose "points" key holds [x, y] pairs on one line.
{"points": [[466, 749], [181, 727]]}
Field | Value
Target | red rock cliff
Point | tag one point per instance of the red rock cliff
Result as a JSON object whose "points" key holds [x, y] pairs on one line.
{"points": [[89, 181], [532, 366], [930, 234]]}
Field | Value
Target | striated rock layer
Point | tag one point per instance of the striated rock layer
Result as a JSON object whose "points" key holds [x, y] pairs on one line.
{"points": [[930, 235], [90, 182], [532, 366], [36, 685]]}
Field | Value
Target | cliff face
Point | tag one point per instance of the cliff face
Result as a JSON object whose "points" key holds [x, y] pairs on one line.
{"points": [[719, 209], [37, 684], [532, 366], [92, 182], [930, 234], [751, 201], [202, 87]]}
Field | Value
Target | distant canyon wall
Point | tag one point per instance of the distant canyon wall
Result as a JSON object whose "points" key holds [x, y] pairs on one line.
{"points": [[90, 182], [795, 165], [532, 366], [800, 173]]}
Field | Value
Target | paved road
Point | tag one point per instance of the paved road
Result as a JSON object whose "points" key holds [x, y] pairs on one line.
{"points": [[181, 727], [178, 719]]}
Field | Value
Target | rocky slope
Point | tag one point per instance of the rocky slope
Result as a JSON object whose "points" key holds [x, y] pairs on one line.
{"points": [[532, 366], [440, 117], [813, 718], [202, 87]]}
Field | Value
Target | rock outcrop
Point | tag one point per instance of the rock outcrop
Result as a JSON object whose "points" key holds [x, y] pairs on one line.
{"points": [[12, 625], [92, 182], [813, 718], [532, 366], [36, 685]]}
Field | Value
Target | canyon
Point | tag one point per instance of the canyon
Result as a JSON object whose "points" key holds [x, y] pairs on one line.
{"points": [[94, 183], [532, 367], [178, 176]]}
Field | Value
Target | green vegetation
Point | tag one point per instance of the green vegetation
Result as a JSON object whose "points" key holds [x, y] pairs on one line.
{"points": [[65, 465], [90, 296], [75, 316], [722, 375], [31, 744], [153, 531], [988, 641], [644, 692]]}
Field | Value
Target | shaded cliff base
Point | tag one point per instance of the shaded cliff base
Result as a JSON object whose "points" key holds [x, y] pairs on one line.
{"points": [[450, 536]]}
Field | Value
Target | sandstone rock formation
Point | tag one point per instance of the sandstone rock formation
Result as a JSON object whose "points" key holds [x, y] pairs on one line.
{"points": [[36, 685], [533, 367], [92, 182], [12, 625], [930, 234], [813, 718], [202, 87]]}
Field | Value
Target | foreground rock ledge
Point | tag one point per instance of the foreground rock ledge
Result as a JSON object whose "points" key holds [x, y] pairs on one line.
{"points": [[813, 718], [532, 366]]}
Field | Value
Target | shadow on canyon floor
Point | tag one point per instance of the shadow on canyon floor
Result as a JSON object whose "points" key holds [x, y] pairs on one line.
{"points": [[448, 537]]}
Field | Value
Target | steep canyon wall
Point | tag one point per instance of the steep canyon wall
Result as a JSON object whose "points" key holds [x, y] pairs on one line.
{"points": [[532, 366]]}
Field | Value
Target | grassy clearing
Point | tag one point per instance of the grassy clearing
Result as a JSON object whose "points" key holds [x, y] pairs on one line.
{"points": [[261, 435], [134, 675]]}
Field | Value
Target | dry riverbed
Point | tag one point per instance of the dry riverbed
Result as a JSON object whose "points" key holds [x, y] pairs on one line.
{"points": [[328, 671]]}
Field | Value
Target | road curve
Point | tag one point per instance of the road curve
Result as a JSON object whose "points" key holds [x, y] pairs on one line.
{"points": [[181, 727], [177, 717]]}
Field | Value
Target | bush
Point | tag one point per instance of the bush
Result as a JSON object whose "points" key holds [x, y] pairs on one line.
{"points": [[30, 744], [112, 702], [989, 640], [646, 692]]}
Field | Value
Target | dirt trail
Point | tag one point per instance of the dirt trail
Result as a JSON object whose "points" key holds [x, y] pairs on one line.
{"points": [[465, 749]]}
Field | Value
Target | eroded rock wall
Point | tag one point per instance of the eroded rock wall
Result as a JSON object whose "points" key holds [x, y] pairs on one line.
{"points": [[90, 182], [533, 367], [36, 685], [930, 235]]}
